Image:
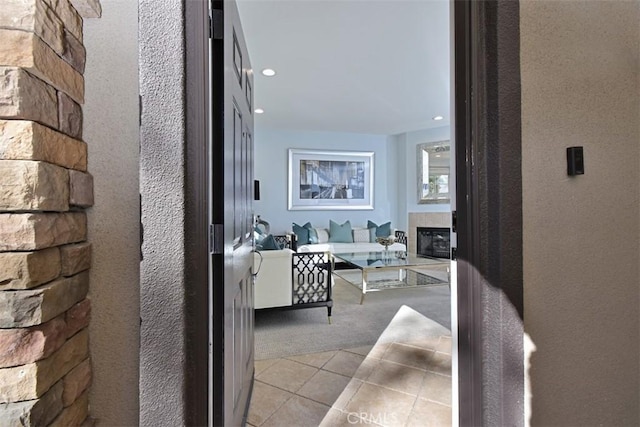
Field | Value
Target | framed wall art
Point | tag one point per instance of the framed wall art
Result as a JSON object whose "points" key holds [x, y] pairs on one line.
{"points": [[330, 180]]}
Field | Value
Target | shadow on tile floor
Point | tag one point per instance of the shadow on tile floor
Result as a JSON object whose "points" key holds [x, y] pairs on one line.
{"points": [[391, 384]]}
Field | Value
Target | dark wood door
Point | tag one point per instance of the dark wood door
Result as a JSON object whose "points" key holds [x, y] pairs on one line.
{"points": [[232, 217]]}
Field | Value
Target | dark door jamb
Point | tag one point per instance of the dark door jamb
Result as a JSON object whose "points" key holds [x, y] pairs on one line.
{"points": [[489, 213], [196, 293]]}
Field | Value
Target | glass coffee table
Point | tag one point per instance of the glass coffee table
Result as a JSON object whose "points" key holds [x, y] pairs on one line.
{"points": [[368, 262]]}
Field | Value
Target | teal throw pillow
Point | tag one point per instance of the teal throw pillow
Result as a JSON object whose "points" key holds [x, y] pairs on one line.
{"points": [[313, 234], [382, 230], [258, 234], [340, 233], [269, 243], [372, 234], [302, 234]]}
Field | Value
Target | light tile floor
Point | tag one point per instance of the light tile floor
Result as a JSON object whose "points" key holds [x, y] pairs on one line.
{"points": [[392, 384]]}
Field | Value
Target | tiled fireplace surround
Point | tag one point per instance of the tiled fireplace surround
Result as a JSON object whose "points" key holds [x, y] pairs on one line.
{"points": [[424, 219]]}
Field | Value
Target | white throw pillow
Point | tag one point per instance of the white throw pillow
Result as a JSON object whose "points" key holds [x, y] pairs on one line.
{"points": [[360, 235], [323, 235]]}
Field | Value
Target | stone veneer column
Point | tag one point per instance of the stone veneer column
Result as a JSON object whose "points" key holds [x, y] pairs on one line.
{"points": [[45, 368]]}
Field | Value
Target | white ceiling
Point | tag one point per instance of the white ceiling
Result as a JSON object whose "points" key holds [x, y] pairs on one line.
{"points": [[363, 66]]}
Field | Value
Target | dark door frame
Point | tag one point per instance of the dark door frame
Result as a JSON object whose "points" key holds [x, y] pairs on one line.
{"points": [[489, 212], [489, 206]]}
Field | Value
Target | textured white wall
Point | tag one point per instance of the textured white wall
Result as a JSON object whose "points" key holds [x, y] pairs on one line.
{"points": [[580, 86], [111, 132], [162, 187]]}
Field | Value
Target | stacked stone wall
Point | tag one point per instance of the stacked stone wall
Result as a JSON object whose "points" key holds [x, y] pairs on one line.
{"points": [[45, 190]]}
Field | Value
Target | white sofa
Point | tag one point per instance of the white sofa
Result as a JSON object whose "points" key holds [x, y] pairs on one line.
{"points": [[273, 278], [359, 245], [336, 248]]}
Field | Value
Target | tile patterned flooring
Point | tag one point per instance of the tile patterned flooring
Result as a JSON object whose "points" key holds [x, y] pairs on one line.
{"points": [[391, 384]]}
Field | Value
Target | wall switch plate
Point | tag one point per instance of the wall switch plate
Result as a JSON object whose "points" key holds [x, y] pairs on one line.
{"points": [[575, 161]]}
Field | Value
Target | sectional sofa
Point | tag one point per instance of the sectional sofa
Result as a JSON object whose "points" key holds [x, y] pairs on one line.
{"points": [[341, 238]]}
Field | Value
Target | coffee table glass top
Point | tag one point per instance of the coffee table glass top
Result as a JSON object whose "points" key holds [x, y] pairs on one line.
{"points": [[397, 259]]}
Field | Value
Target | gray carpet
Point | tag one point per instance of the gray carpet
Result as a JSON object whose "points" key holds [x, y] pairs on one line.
{"points": [[285, 333]]}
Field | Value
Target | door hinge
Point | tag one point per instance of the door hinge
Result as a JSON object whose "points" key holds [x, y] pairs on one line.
{"points": [[216, 238], [216, 29], [454, 254], [454, 221]]}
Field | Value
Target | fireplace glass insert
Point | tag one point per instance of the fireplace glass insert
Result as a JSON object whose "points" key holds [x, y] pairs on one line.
{"points": [[434, 242]]}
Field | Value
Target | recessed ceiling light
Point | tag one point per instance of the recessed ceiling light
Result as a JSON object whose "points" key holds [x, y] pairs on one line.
{"points": [[268, 72], [438, 118], [258, 111]]}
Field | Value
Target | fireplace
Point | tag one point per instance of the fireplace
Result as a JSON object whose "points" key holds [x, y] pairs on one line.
{"points": [[434, 242]]}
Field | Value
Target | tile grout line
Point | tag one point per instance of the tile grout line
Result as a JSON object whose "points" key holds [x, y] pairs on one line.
{"points": [[279, 406], [313, 400], [413, 407], [365, 380], [295, 393]]}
